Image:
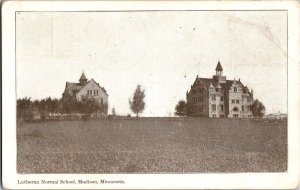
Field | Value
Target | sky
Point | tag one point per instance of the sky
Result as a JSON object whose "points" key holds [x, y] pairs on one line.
{"points": [[163, 51]]}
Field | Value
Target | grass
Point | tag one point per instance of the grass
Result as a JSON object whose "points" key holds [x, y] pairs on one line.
{"points": [[152, 146]]}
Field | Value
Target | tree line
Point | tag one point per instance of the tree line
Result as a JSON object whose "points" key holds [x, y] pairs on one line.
{"points": [[27, 108]]}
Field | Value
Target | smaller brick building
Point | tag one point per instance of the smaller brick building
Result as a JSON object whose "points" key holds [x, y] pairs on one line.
{"points": [[89, 88], [218, 97]]}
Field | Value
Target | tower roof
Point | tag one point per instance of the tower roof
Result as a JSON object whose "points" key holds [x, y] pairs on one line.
{"points": [[83, 77], [219, 67]]}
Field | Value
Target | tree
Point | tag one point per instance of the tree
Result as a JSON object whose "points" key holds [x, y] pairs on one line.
{"points": [[87, 105], [24, 108], [137, 103], [257, 108], [181, 108], [69, 104]]}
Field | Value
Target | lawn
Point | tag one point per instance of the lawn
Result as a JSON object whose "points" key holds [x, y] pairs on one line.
{"points": [[155, 145]]}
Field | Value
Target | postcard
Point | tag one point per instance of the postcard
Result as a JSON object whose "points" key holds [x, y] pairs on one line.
{"points": [[150, 95]]}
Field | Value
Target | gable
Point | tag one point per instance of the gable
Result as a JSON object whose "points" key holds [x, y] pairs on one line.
{"points": [[92, 85]]}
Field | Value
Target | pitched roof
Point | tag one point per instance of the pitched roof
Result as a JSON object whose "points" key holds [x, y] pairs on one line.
{"points": [[102, 88], [219, 67], [207, 82], [71, 86], [83, 77]]}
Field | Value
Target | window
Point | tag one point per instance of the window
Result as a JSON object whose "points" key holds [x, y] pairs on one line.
{"points": [[88, 92], [233, 101], [222, 107], [235, 109], [91, 92], [235, 115], [237, 101], [243, 109], [94, 92], [97, 92], [213, 97], [101, 100], [235, 89], [213, 107], [217, 90], [221, 98]]}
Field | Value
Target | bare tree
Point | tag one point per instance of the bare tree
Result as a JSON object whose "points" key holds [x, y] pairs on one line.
{"points": [[137, 103]]}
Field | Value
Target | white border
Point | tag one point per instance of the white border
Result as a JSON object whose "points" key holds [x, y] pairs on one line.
{"points": [[286, 180]]}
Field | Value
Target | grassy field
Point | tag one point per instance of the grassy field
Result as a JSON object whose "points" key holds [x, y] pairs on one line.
{"points": [[152, 146]]}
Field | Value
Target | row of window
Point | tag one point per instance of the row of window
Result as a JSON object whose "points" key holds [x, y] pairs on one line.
{"points": [[198, 99], [198, 90], [237, 101], [213, 98], [90, 92], [214, 107], [244, 108]]}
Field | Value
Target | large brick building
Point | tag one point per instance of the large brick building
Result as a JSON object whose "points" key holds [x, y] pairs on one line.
{"points": [[86, 88], [218, 97]]}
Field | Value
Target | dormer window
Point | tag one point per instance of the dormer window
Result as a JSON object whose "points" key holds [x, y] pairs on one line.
{"points": [[235, 89]]}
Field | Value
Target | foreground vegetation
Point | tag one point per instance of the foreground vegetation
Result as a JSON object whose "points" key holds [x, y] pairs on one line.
{"points": [[28, 109], [151, 145]]}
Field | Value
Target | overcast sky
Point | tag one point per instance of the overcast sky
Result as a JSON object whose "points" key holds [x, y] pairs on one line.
{"points": [[162, 51]]}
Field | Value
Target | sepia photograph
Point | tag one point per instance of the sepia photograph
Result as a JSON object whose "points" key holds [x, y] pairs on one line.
{"points": [[150, 91]]}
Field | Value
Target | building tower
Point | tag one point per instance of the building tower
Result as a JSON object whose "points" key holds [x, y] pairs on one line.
{"points": [[82, 79], [219, 74], [219, 69]]}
